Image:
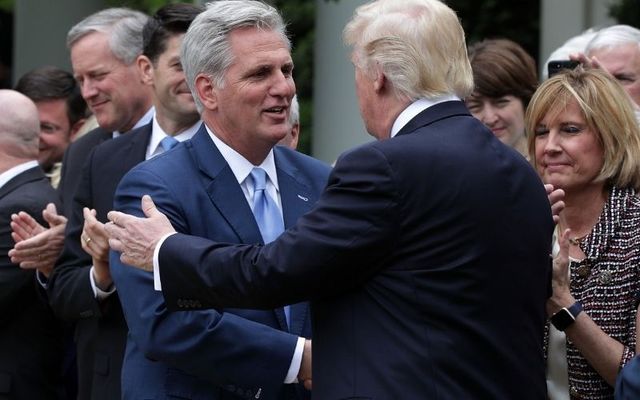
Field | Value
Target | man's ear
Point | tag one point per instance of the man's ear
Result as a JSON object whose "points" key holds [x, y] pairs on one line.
{"points": [[145, 66], [206, 92], [76, 128], [380, 80]]}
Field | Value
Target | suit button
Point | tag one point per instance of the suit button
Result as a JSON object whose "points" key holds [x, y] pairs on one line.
{"points": [[584, 271], [605, 277], [574, 392]]}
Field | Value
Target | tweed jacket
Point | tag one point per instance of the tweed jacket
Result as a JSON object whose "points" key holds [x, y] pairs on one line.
{"points": [[606, 282]]}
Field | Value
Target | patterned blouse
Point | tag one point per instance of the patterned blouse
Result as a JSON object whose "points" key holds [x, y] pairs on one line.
{"points": [[606, 282]]}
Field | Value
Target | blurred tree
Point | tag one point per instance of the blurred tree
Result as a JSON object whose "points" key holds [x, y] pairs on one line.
{"points": [[6, 5], [515, 20], [626, 12]]}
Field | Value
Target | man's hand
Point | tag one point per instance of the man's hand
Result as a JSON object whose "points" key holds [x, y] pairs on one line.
{"points": [[37, 247], [556, 200], [587, 62], [304, 375], [136, 238], [95, 242]]}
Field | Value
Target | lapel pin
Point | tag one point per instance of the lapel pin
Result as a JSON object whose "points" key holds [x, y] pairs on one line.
{"points": [[303, 198]]}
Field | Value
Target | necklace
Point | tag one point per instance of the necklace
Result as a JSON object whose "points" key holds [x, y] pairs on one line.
{"points": [[577, 240]]}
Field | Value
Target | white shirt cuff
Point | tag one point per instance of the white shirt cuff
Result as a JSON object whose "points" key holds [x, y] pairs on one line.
{"points": [[294, 368], [157, 285], [99, 293]]}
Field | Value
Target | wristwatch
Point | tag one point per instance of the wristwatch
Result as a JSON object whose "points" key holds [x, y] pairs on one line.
{"points": [[566, 316]]}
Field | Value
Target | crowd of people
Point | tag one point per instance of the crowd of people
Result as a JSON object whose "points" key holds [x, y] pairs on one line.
{"points": [[160, 236]]}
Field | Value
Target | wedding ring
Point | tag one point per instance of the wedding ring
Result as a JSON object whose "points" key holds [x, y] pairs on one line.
{"points": [[87, 240]]}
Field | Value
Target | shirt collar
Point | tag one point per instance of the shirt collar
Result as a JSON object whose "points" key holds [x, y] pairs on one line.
{"points": [[240, 166], [157, 134], [12, 172], [146, 118], [416, 108]]}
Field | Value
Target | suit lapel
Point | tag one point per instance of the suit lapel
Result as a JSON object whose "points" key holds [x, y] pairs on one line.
{"points": [[223, 188], [294, 190], [136, 150]]}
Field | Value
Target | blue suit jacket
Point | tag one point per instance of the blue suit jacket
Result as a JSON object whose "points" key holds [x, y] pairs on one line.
{"points": [[628, 382], [426, 259], [209, 354]]}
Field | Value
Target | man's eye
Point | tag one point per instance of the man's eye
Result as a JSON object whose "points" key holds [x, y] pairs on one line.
{"points": [[47, 128]]}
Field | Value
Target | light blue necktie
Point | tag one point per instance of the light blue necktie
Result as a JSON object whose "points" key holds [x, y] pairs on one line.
{"points": [[265, 208], [267, 215], [168, 143]]}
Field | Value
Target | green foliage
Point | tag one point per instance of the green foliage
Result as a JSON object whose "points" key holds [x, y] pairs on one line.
{"points": [[515, 20], [626, 12], [6, 5]]}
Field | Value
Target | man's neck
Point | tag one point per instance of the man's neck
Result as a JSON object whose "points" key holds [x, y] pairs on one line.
{"points": [[175, 126], [7, 162]]}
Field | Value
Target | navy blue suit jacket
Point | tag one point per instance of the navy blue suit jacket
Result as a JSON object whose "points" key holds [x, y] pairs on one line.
{"points": [[209, 354], [30, 336], [426, 260]]}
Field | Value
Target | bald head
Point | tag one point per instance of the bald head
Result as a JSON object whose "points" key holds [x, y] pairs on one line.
{"points": [[19, 125]]}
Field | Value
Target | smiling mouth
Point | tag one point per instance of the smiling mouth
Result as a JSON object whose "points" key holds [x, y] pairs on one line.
{"points": [[275, 110], [98, 104]]}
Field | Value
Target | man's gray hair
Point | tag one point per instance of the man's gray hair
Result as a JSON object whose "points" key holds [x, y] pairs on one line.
{"points": [[124, 27], [206, 48], [613, 36], [294, 111]]}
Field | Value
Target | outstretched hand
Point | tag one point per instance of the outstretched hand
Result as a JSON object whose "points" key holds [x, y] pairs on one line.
{"points": [[136, 238]]}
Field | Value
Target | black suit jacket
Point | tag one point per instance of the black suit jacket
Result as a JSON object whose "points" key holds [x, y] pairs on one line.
{"points": [[30, 335], [426, 260], [100, 326], [74, 159]]}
